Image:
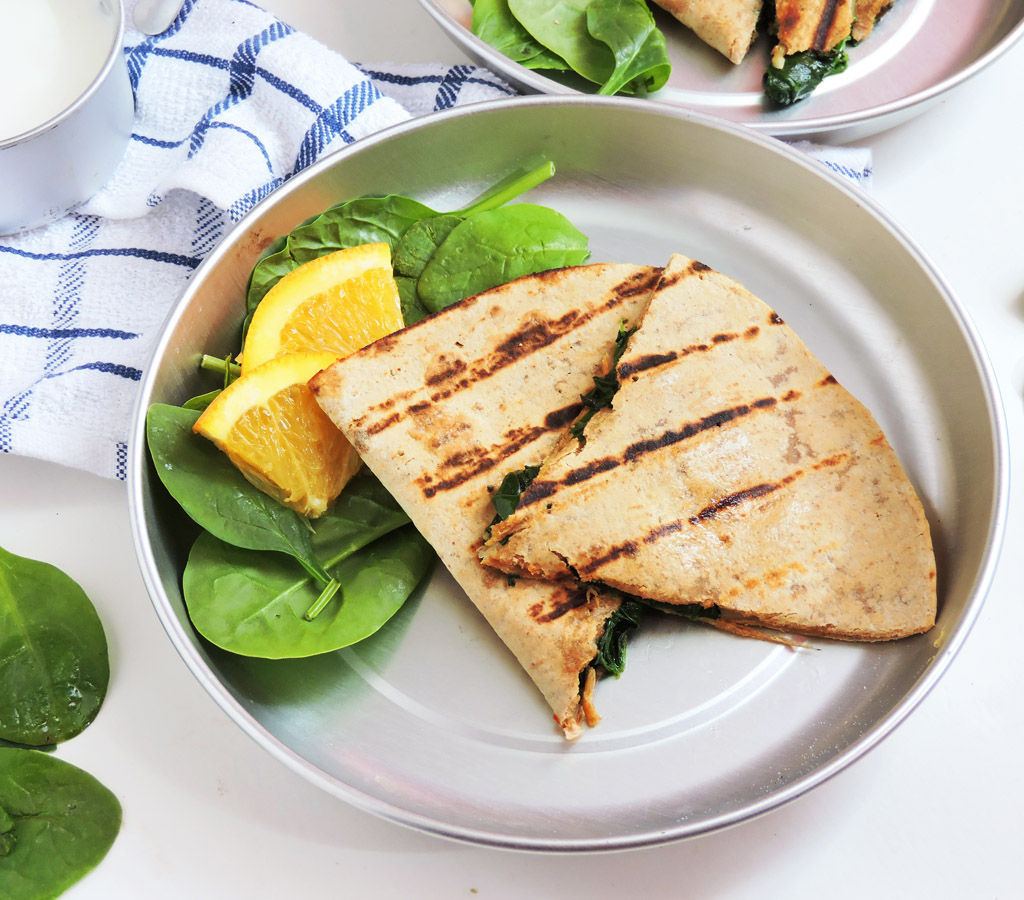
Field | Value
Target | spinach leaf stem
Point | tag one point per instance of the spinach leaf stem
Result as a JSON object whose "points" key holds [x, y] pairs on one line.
{"points": [[224, 366], [325, 597], [509, 188]]}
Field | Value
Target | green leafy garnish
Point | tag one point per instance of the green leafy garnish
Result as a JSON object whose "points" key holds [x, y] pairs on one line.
{"points": [[607, 46], [54, 668], [56, 824], [439, 258], [256, 604]]}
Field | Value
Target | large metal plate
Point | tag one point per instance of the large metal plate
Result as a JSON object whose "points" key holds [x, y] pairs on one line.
{"points": [[918, 51], [432, 723]]}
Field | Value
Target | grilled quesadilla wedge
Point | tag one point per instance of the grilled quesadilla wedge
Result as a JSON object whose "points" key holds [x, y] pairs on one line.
{"points": [[810, 25], [441, 410], [734, 472], [729, 26]]}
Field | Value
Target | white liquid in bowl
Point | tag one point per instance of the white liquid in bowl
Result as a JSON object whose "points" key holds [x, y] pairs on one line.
{"points": [[50, 52]]}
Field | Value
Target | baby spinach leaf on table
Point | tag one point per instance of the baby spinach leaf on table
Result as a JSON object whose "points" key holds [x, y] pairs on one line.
{"points": [[217, 496], [254, 605], [56, 824], [629, 30], [497, 246], [561, 26], [54, 668]]}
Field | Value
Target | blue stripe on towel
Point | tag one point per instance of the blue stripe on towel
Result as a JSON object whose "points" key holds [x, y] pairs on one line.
{"points": [[29, 331], [175, 259], [242, 78], [108, 368], [136, 56], [417, 80], [332, 123]]}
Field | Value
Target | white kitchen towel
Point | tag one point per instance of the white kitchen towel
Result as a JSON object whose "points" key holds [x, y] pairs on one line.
{"points": [[230, 103]]}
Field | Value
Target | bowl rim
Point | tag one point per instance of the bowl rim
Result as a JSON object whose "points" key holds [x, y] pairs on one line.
{"points": [[952, 641]]}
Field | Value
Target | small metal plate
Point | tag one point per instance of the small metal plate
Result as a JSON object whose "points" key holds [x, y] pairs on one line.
{"points": [[432, 723], [919, 50]]}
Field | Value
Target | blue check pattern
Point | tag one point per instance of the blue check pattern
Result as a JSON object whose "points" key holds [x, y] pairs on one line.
{"points": [[231, 103]]}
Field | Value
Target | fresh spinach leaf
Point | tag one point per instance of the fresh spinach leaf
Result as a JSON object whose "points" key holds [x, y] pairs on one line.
{"points": [[54, 666], [56, 824], [629, 30], [409, 299], [217, 496], [266, 273], [366, 220], [494, 24], [253, 604], [418, 245], [201, 401], [801, 74], [496, 246], [561, 26]]}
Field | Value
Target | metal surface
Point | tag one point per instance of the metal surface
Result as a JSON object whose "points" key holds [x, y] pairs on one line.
{"points": [[431, 723], [918, 51], [48, 171]]}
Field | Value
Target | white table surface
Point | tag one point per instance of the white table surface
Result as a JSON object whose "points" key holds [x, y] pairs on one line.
{"points": [[937, 810]]}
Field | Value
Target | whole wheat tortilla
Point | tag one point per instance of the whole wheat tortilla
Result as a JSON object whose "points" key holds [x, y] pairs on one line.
{"points": [[442, 410], [810, 25], [727, 25], [732, 471]]}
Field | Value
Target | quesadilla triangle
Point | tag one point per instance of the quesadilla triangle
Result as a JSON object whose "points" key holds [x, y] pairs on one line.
{"points": [[731, 471], [729, 26], [443, 409]]}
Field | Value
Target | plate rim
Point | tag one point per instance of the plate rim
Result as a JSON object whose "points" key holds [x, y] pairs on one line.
{"points": [[821, 126], [136, 481]]}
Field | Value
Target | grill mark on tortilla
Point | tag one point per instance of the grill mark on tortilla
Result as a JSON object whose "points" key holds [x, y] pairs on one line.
{"points": [[711, 511], [543, 488], [695, 268], [825, 23], [533, 337], [563, 600], [631, 367], [562, 417], [476, 462], [446, 373]]}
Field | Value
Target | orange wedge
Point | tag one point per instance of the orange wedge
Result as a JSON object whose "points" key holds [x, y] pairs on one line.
{"points": [[269, 424], [339, 302]]}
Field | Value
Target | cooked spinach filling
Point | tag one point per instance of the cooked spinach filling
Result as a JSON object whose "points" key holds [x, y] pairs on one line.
{"points": [[506, 498], [802, 72], [611, 646], [605, 386]]}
